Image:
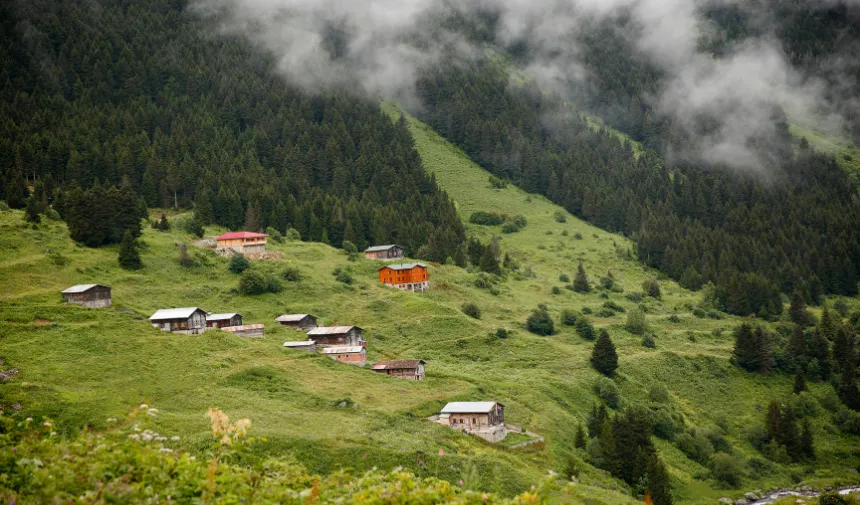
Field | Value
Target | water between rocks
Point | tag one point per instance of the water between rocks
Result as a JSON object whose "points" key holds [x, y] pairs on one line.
{"points": [[772, 497]]}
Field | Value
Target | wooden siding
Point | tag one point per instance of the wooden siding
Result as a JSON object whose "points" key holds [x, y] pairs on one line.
{"points": [[97, 297]]}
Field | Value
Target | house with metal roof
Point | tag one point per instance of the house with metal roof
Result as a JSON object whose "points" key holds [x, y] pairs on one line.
{"points": [[298, 321], [223, 320], [406, 276], [188, 320], [352, 354], [484, 419], [302, 345], [412, 369], [242, 242], [388, 252], [337, 336], [94, 296], [248, 330]]}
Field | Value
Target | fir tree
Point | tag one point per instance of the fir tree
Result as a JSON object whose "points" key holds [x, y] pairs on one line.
{"points": [[788, 435], [844, 349], [599, 415], [848, 391], [819, 349], [489, 262], [798, 313], [747, 351], [580, 439], [799, 381], [604, 359], [33, 210], [129, 257], [540, 322], [797, 345], [807, 443], [773, 421], [580, 280], [657, 484], [163, 225]]}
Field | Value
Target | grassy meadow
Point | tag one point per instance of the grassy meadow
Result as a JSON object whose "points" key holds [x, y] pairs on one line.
{"points": [[81, 366]]}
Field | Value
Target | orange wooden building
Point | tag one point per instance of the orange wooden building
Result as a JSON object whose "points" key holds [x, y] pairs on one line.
{"points": [[405, 276], [242, 242]]}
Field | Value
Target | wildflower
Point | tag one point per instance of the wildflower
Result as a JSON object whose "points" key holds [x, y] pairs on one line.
{"points": [[47, 423], [29, 419], [135, 428], [485, 496], [175, 438], [242, 426], [146, 437], [533, 487], [134, 436], [165, 449], [152, 412], [111, 419], [460, 482], [143, 406], [53, 433], [160, 439], [441, 452]]}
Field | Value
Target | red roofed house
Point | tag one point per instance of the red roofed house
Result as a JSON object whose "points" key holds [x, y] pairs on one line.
{"points": [[412, 369], [405, 276], [243, 242]]}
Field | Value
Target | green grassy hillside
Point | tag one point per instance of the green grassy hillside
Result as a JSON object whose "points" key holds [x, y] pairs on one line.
{"points": [[81, 366]]}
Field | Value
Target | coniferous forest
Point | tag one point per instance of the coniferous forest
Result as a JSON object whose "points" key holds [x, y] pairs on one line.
{"points": [[135, 95]]}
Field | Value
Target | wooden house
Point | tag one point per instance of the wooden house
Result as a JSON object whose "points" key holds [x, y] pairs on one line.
{"points": [[337, 336], [189, 320], [302, 345], [384, 252], [405, 276], [484, 419], [352, 354], [94, 296], [298, 321], [412, 369], [222, 320], [242, 242], [248, 330]]}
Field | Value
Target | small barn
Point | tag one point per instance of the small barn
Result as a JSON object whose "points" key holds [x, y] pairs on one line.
{"points": [[406, 276], [352, 354], [337, 336], [222, 320], [412, 369], [189, 320], [242, 242], [384, 252], [94, 296], [302, 345], [248, 330], [298, 321], [484, 419]]}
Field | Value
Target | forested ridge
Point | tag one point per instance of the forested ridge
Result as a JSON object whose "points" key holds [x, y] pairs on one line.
{"points": [[142, 94]]}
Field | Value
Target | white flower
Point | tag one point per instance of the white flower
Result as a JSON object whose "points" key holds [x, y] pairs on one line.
{"points": [[152, 412], [29, 419], [134, 436], [47, 423], [135, 428], [165, 449], [146, 437], [111, 419], [53, 433], [143, 406], [160, 439], [175, 438]]}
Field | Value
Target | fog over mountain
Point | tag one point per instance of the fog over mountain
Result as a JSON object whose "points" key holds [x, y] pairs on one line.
{"points": [[379, 47]]}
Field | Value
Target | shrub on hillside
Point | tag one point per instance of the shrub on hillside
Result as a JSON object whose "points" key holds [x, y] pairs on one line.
{"points": [[514, 224], [587, 310], [674, 318], [555, 290], [649, 342], [540, 322], [604, 358], [275, 235], [472, 310], [53, 215], [651, 287], [564, 278], [343, 276], [560, 216], [584, 329], [291, 274], [604, 312], [636, 322], [727, 469], [577, 236], [580, 280], [607, 391], [568, 317], [3, 206], [486, 218], [238, 263], [293, 235], [695, 445], [658, 394], [254, 283], [497, 182], [613, 306], [634, 297]]}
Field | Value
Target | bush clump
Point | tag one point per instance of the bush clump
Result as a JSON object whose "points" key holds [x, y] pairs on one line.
{"points": [[636, 322], [651, 287], [514, 224], [238, 263], [727, 469], [292, 274], [254, 283], [584, 329], [560, 216], [568, 317], [540, 322], [275, 235], [343, 276], [564, 278], [486, 218], [649, 342], [608, 391], [472, 310]]}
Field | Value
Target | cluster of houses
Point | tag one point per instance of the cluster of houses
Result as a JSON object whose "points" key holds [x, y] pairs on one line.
{"points": [[341, 343]]}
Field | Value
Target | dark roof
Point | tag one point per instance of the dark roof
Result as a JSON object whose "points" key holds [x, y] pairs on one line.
{"points": [[82, 288], [397, 364], [378, 248], [404, 266]]}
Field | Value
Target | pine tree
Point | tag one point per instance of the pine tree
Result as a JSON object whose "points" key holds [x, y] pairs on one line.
{"points": [[797, 345], [788, 435], [580, 439], [773, 421], [747, 351], [489, 262], [580, 281], [799, 381], [129, 257], [598, 416], [657, 484], [798, 313], [163, 225], [604, 359], [844, 349], [540, 322], [848, 391], [819, 349], [807, 443], [33, 210]]}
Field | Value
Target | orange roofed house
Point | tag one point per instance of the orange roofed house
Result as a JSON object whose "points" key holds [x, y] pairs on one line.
{"points": [[242, 242], [405, 276]]}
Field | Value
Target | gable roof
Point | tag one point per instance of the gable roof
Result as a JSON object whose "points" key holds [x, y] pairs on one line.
{"points": [[378, 248], [397, 364], [181, 313], [300, 343], [81, 288], [231, 329], [344, 349], [292, 318], [332, 330], [240, 234], [404, 266], [221, 317], [469, 407]]}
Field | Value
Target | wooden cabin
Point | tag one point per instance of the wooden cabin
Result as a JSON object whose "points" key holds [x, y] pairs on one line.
{"points": [[189, 320], [298, 321], [248, 330], [337, 336], [222, 320], [94, 296], [384, 252], [405, 276], [484, 419], [412, 369], [242, 242], [302, 345], [352, 354]]}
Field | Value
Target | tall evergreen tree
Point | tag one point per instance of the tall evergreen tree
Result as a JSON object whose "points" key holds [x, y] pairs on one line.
{"points": [[604, 359], [799, 381], [580, 280], [598, 416], [807, 442], [33, 210], [798, 313], [129, 257], [657, 483], [747, 351]]}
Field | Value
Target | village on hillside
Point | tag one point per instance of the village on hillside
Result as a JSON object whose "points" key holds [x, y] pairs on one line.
{"points": [[344, 344]]}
